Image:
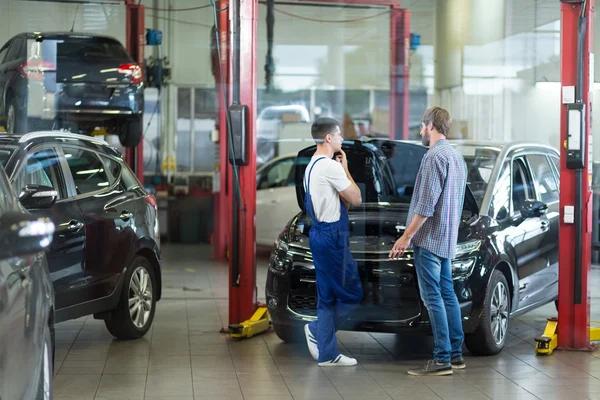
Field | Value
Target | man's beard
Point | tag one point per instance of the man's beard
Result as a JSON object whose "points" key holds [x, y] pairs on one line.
{"points": [[425, 139]]}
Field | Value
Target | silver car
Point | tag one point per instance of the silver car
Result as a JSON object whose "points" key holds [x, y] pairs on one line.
{"points": [[26, 301]]}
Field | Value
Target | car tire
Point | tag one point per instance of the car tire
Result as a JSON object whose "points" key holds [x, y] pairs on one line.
{"points": [[133, 322], [44, 387], [132, 134], [490, 336], [288, 333]]}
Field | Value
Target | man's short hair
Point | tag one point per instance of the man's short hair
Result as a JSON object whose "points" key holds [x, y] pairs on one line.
{"points": [[323, 127], [439, 117]]}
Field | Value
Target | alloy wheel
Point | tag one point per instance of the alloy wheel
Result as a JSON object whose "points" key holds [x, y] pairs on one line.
{"points": [[140, 297], [499, 313]]}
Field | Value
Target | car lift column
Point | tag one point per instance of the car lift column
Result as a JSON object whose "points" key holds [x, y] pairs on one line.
{"points": [[571, 331], [576, 181], [245, 317], [135, 33]]}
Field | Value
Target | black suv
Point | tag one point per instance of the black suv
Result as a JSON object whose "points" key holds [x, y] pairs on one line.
{"points": [[74, 81], [507, 253], [105, 255]]}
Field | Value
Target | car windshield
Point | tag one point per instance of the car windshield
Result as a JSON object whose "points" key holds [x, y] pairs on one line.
{"points": [[78, 47]]}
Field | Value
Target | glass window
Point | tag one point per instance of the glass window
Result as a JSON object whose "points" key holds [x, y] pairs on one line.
{"points": [[88, 171], [42, 168], [522, 189], [545, 181], [113, 167], [277, 175], [500, 203]]}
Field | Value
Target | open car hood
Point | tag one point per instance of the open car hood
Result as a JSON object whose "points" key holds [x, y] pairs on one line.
{"points": [[384, 170]]}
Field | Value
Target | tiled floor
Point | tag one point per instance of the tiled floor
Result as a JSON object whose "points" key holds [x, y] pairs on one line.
{"points": [[184, 357]]}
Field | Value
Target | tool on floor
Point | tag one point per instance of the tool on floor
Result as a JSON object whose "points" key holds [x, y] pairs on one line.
{"points": [[259, 323], [548, 342]]}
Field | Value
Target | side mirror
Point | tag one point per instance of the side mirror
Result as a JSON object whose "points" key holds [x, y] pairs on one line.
{"points": [[533, 209], [23, 234], [38, 196]]}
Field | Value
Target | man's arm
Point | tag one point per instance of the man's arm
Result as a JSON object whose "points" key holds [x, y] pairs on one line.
{"points": [[352, 195], [434, 175]]}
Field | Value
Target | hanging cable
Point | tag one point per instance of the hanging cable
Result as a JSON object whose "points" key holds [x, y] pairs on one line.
{"points": [[269, 64]]}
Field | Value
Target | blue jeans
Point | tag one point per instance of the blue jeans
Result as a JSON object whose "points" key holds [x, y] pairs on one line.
{"points": [[437, 292]]}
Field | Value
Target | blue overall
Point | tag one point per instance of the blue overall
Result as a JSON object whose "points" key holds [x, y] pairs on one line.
{"points": [[339, 288]]}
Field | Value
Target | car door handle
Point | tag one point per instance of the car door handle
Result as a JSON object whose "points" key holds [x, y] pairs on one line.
{"points": [[74, 225], [274, 201], [126, 215]]}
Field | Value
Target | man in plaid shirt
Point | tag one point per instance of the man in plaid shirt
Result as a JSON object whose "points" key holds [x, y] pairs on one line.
{"points": [[432, 227]]}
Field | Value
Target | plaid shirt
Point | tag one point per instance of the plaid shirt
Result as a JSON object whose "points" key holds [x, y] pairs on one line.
{"points": [[439, 194]]}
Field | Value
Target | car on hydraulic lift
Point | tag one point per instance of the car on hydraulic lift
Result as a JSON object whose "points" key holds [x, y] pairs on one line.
{"points": [[507, 253], [75, 81], [105, 255]]}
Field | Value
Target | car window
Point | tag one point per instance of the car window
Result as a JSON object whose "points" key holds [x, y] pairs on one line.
{"points": [[277, 175], [113, 167], [42, 168], [14, 52], [500, 203], [545, 181], [89, 174], [522, 188]]}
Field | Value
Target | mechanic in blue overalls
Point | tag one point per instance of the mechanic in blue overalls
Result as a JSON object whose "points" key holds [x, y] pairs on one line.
{"points": [[330, 190]]}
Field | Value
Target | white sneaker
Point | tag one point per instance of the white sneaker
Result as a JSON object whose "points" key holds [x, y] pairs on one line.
{"points": [[311, 342], [339, 361]]}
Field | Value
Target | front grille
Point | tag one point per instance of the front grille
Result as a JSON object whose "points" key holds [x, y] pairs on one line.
{"points": [[303, 305]]}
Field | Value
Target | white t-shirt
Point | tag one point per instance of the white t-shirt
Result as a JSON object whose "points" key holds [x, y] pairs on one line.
{"points": [[327, 179]]}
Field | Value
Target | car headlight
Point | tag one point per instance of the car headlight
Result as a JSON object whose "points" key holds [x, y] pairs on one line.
{"points": [[467, 247], [278, 263], [463, 268]]}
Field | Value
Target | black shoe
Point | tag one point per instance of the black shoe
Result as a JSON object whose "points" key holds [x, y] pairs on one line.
{"points": [[458, 363], [432, 368]]}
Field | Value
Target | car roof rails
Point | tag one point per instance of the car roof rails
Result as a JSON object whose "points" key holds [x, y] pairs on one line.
{"points": [[60, 134]]}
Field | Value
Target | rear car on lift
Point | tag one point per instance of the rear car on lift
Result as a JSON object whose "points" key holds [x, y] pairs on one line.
{"points": [[73, 81], [105, 256], [507, 253]]}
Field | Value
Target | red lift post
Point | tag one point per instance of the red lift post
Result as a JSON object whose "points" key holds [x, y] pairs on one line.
{"points": [[246, 318], [573, 312], [135, 33], [572, 330]]}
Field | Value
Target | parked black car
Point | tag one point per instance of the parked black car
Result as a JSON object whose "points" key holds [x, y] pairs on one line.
{"points": [[26, 301], [507, 255], [73, 81], [105, 257]]}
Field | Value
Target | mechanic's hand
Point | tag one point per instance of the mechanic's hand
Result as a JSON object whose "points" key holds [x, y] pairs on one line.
{"points": [[400, 247], [342, 159]]}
